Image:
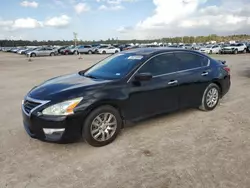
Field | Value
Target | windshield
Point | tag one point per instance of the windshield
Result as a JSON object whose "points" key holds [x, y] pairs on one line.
{"points": [[114, 67], [209, 46]]}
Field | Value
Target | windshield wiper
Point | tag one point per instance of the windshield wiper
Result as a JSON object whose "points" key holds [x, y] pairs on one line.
{"points": [[89, 76]]}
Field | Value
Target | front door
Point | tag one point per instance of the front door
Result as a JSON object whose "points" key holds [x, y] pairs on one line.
{"points": [[155, 96]]}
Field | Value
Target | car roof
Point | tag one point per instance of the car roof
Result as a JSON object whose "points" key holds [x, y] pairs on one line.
{"points": [[154, 51]]}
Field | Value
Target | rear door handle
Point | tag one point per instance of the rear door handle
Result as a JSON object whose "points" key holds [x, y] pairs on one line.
{"points": [[204, 74], [172, 82]]}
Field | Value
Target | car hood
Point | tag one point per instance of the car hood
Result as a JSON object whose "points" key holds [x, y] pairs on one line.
{"points": [[66, 87]]}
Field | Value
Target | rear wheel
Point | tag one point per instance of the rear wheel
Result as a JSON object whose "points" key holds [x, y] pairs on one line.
{"points": [[245, 51], [236, 51], [33, 55], [76, 52], [104, 52], [116, 51], [52, 54], [102, 126], [89, 52], [211, 97]]}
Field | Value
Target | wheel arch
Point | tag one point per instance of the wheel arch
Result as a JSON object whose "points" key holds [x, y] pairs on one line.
{"points": [[112, 103]]}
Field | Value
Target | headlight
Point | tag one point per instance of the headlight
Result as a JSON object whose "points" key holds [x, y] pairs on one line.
{"points": [[63, 108]]}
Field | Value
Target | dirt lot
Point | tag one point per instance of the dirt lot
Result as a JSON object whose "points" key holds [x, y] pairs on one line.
{"points": [[185, 149]]}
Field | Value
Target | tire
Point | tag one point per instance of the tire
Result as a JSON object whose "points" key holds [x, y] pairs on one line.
{"points": [[205, 102], [89, 52], [104, 52], [116, 51], [33, 55], [245, 51], [88, 126], [52, 54], [66, 53], [236, 51], [76, 52], [210, 52]]}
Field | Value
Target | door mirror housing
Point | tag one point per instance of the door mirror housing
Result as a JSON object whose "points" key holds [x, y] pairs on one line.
{"points": [[143, 76]]}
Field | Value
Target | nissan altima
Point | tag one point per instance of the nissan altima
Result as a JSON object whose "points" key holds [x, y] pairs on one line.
{"points": [[132, 85]]}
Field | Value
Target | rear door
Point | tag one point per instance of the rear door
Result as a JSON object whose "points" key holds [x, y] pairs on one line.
{"points": [[194, 76]]}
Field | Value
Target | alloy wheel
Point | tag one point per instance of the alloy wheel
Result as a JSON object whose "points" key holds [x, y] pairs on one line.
{"points": [[103, 127], [212, 97]]}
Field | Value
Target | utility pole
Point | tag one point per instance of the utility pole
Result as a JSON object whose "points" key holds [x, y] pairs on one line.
{"points": [[75, 38]]}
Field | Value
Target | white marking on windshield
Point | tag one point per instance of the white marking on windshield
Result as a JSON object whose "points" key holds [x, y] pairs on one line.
{"points": [[135, 57]]}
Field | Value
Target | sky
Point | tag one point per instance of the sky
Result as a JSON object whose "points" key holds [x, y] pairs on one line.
{"points": [[122, 19]]}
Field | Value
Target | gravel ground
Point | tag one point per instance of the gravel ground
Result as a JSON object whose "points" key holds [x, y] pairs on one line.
{"points": [[189, 148]]}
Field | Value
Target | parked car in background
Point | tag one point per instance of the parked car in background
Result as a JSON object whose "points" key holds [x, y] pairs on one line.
{"points": [[69, 50], [43, 51], [29, 50], [61, 48], [129, 86], [188, 46], [20, 51], [211, 49], [125, 47], [95, 49], [234, 48], [14, 50], [108, 50], [248, 47], [86, 49]]}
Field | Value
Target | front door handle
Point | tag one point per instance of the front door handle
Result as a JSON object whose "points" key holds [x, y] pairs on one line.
{"points": [[172, 82], [204, 74]]}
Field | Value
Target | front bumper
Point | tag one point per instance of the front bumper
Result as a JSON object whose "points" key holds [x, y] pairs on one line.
{"points": [[228, 51], [70, 127]]}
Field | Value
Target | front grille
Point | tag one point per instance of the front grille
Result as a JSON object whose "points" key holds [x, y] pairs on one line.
{"points": [[29, 105]]}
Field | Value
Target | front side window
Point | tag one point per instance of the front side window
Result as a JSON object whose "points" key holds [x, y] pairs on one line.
{"points": [[159, 65], [190, 60]]}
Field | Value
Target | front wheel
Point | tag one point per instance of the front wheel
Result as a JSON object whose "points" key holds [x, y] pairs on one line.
{"points": [[104, 52], [52, 54], [102, 126], [211, 97], [33, 55], [236, 51], [89, 52], [116, 51], [245, 51]]}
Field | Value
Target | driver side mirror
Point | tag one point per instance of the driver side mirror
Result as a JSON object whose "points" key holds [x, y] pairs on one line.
{"points": [[143, 77]]}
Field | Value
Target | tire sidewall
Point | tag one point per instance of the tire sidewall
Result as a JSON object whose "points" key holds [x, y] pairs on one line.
{"points": [[204, 105], [88, 121]]}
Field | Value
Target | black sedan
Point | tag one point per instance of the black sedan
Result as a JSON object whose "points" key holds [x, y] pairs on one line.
{"points": [[129, 86]]}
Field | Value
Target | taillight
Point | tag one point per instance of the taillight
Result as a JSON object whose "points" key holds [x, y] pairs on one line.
{"points": [[227, 69]]}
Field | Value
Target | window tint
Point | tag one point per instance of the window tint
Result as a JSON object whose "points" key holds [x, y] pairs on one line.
{"points": [[161, 64], [190, 60]]}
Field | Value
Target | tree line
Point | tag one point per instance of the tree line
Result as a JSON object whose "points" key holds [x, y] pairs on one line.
{"points": [[184, 39]]}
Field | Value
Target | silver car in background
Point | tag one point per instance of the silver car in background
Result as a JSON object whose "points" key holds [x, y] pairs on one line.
{"points": [[43, 51], [87, 49]]}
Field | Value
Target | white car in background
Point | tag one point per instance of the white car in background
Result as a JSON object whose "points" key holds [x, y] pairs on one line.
{"points": [[211, 49], [108, 50]]}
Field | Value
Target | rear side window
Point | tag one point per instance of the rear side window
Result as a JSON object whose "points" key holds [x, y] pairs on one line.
{"points": [[190, 60]]}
